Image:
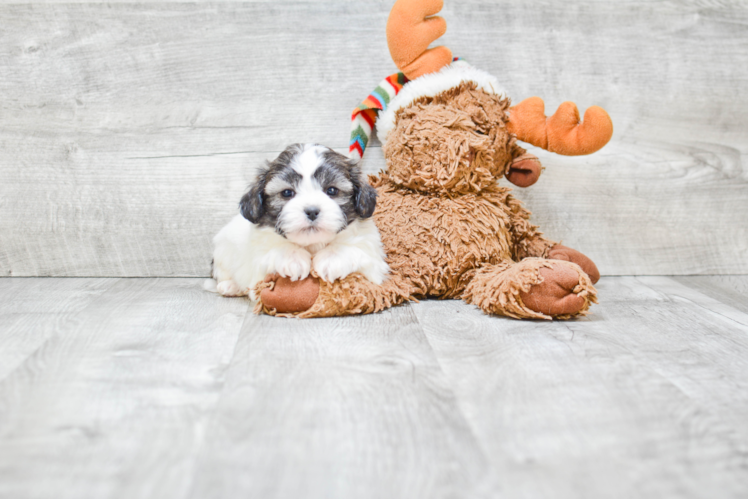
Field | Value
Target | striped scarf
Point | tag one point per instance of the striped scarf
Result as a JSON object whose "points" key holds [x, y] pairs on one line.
{"points": [[365, 114]]}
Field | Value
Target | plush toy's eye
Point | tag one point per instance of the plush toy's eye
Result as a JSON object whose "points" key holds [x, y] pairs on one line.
{"points": [[332, 191], [287, 193]]}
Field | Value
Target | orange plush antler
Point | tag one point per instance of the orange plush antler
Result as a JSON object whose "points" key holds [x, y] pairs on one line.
{"points": [[561, 133], [410, 30]]}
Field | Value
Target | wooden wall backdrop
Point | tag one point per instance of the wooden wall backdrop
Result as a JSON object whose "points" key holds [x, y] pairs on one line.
{"points": [[128, 131]]}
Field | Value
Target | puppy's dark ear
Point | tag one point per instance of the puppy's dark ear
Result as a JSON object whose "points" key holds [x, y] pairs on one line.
{"points": [[252, 204], [365, 196]]}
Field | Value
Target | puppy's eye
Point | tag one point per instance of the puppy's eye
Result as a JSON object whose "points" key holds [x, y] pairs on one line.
{"points": [[287, 193], [332, 191]]}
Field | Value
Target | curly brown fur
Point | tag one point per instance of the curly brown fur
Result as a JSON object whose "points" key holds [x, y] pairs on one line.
{"points": [[437, 243], [454, 143], [352, 295], [448, 229], [498, 289]]}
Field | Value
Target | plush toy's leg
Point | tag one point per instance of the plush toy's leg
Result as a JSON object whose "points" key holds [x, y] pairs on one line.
{"points": [[533, 288], [535, 245], [560, 252], [314, 298]]}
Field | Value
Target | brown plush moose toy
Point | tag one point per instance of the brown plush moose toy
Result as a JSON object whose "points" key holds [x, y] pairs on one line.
{"points": [[448, 228]]}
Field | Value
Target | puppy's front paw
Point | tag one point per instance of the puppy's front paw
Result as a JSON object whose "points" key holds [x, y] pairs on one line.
{"points": [[230, 289], [295, 264], [331, 265]]}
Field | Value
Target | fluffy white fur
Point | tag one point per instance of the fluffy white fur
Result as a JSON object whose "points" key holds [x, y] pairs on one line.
{"points": [[244, 254], [432, 84]]}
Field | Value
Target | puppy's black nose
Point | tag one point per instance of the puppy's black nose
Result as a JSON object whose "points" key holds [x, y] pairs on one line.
{"points": [[311, 212]]}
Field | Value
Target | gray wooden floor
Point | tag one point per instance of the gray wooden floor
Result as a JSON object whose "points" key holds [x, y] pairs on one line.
{"points": [[153, 387]]}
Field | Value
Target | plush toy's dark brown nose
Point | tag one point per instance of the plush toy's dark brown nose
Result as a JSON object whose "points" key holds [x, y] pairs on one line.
{"points": [[311, 212]]}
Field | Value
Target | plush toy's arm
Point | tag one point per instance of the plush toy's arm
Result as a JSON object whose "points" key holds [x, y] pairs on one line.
{"points": [[314, 298], [525, 169]]}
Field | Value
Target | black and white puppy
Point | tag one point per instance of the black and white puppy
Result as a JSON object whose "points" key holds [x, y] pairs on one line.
{"points": [[309, 208]]}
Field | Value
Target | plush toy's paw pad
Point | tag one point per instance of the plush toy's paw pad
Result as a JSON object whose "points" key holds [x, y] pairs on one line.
{"points": [[524, 171], [556, 295], [230, 289], [295, 264], [287, 296], [560, 252]]}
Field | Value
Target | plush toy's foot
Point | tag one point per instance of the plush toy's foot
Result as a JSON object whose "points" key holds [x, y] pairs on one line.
{"points": [[533, 288], [561, 252], [284, 296], [557, 294]]}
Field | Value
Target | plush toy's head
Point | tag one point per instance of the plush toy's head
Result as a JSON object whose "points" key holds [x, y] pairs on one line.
{"points": [[455, 142], [447, 127]]}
